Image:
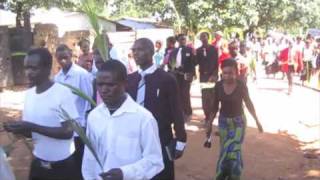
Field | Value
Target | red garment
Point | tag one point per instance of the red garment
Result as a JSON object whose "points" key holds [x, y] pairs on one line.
{"points": [[223, 57], [284, 58]]}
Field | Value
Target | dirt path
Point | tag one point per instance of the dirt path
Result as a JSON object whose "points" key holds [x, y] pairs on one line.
{"points": [[266, 156], [278, 154]]}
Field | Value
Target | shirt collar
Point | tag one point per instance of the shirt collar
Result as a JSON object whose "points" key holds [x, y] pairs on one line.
{"points": [[128, 106], [150, 70], [69, 73]]}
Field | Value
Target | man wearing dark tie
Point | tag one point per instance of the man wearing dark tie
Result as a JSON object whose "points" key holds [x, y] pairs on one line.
{"points": [[158, 92], [182, 64], [207, 59]]}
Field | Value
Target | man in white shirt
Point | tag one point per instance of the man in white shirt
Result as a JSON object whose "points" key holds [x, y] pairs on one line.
{"points": [[74, 75], [123, 134], [53, 142], [308, 56]]}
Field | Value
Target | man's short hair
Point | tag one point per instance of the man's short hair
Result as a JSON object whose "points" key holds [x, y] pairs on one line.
{"points": [[80, 43], [44, 55], [63, 47], [171, 39], [180, 36], [206, 33], [116, 68], [147, 44], [230, 62]]}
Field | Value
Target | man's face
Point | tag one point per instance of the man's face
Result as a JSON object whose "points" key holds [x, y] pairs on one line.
{"points": [[234, 49], [182, 41], [158, 45], [141, 54], [109, 88], [204, 38], [64, 58], [307, 44], [242, 48], [218, 37], [85, 47], [34, 71]]}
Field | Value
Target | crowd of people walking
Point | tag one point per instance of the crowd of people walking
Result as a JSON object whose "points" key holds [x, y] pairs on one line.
{"points": [[137, 128]]}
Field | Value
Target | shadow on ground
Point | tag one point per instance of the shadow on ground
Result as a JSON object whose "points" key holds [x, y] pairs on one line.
{"points": [[266, 156]]}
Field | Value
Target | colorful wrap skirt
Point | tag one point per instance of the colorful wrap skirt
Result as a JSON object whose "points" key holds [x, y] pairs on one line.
{"points": [[231, 131]]}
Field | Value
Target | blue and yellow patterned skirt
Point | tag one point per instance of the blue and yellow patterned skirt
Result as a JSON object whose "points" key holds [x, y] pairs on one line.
{"points": [[231, 131]]}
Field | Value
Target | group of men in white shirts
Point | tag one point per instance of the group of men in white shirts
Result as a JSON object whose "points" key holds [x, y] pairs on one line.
{"points": [[125, 135]]}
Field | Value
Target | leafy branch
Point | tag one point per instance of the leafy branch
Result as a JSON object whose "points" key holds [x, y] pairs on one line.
{"points": [[90, 8], [79, 130]]}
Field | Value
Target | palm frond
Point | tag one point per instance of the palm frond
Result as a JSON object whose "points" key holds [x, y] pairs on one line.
{"points": [[91, 8], [79, 130], [79, 93]]}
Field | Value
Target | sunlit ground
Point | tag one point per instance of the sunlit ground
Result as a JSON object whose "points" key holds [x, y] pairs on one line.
{"points": [[288, 150]]}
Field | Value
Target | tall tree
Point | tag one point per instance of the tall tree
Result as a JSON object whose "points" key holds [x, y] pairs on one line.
{"points": [[22, 8]]}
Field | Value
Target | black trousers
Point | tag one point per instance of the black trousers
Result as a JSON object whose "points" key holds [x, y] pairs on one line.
{"points": [[78, 156], [207, 95], [168, 172], [184, 87], [59, 170]]}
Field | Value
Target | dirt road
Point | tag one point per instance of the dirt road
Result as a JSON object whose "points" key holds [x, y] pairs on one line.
{"points": [[288, 150]]}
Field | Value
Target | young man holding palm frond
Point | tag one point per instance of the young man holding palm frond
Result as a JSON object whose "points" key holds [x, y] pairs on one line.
{"points": [[52, 136], [123, 134]]}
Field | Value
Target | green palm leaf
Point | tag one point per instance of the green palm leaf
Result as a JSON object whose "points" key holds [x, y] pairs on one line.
{"points": [[79, 93], [79, 130], [91, 9]]}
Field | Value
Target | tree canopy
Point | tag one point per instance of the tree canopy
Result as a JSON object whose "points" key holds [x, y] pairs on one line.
{"points": [[193, 15], [291, 15]]}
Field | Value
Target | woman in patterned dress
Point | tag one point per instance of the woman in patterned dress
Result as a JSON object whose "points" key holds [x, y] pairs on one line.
{"points": [[230, 93]]}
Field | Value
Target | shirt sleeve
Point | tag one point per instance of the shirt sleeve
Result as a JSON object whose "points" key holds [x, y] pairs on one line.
{"points": [[90, 167], [151, 163], [176, 110], [86, 87]]}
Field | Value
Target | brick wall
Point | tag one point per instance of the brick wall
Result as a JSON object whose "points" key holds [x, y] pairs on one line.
{"points": [[49, 34]]}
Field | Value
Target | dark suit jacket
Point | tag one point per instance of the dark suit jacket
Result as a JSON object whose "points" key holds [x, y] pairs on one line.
{"points": [[162, 100], [208, 65], [188, 59]]}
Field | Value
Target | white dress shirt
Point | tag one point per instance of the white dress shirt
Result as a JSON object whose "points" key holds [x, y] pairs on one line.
{"points": [[179, 58], [308, 54], [81, 79], [141, 87], [42, 109], [128, 139]]}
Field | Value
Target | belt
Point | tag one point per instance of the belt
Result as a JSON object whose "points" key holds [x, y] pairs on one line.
{"points": [[50, 164]]}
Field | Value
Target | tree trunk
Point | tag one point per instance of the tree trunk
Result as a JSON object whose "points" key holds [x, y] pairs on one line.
{"points": [[19, 15], [26, 21]]}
